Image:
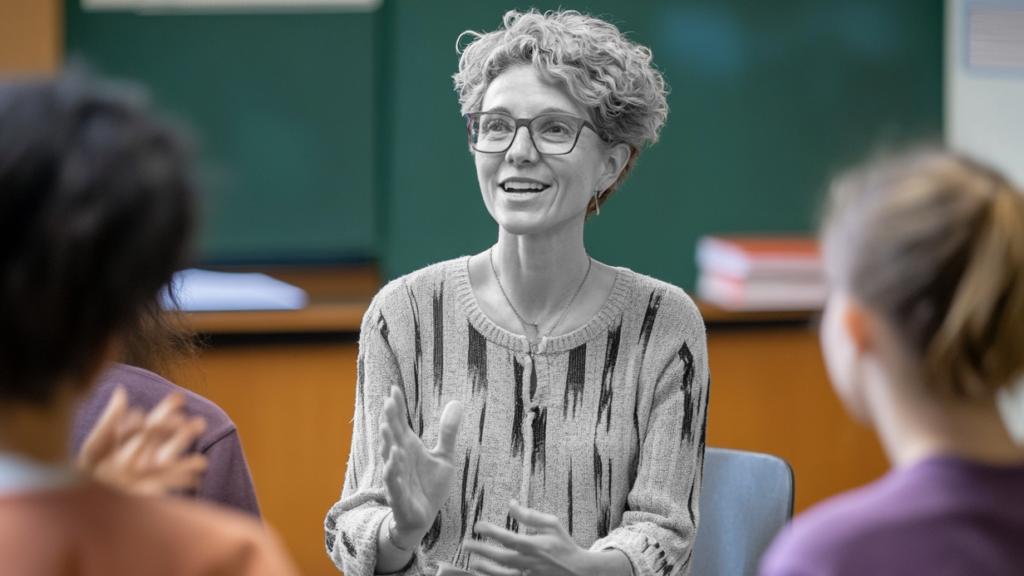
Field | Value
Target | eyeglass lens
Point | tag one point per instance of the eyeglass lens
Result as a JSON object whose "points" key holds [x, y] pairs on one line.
{"points": [[551, 133]]}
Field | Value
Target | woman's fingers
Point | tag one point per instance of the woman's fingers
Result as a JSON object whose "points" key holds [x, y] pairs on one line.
{"points": [[394, 416], [387, 440], [392, 474], [492, 569], [532, 518], [446, 569], [498, 554], [451, 418], [506, 538]]}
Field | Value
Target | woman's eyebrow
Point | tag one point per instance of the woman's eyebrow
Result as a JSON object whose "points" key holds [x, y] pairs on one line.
{"points": [[554, 110]]}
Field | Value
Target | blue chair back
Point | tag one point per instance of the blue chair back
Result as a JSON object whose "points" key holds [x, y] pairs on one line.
{"points": [[745, 499]]}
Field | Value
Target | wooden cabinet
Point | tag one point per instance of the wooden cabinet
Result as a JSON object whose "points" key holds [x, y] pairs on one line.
{"points": [[292, 403]]}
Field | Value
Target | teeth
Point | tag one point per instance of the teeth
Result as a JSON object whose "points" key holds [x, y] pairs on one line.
{"points": [[522, 187]]}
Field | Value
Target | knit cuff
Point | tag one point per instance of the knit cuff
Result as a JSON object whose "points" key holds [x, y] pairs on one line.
{"points": [[646, 556], [355, 546]]}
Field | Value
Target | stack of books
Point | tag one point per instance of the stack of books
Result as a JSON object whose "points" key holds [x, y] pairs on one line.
{"points": [[761, 273]]}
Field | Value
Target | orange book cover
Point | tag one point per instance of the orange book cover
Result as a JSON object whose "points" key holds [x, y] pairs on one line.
{"points": [[773, 247]]}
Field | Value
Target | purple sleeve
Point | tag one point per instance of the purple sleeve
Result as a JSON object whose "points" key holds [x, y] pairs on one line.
{"points": [[227, 480]]}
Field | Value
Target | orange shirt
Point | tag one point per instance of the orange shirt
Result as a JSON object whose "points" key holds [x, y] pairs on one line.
{"points": [[90, 530]]}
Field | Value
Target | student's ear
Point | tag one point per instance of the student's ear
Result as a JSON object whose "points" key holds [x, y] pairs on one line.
{"points": [[856, 320]]}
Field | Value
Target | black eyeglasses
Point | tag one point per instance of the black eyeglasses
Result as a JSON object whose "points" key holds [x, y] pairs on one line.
{"points": [[551, 134]]}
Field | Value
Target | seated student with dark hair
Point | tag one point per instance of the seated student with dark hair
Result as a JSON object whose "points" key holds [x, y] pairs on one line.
{"points": [[924, 325], [210, 464], [95, 209]]}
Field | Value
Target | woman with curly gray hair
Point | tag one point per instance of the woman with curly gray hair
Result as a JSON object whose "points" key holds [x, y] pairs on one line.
{"points": [[580, 388]]}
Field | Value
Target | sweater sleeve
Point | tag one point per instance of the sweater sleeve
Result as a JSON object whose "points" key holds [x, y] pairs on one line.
{"points": [[227, 480], [352, 523], [660, 525]]}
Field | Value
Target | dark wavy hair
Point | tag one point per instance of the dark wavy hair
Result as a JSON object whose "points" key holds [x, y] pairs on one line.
{"points": [[96, 207]]}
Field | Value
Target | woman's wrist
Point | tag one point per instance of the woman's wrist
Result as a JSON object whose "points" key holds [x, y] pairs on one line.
{"points": [[607, 562], [403, 538], [393, 555]]}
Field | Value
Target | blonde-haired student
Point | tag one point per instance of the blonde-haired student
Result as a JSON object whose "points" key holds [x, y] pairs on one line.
{"points": [[925, 323]]}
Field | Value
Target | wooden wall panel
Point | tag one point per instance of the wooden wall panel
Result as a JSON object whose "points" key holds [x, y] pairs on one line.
{"points": [[770, 393], [293, 407], [31, 36]]}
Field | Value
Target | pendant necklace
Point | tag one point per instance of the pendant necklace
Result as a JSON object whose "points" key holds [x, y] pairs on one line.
{"points": [[536, 325]]}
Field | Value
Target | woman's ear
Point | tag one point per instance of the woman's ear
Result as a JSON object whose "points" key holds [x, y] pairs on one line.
{"points": [[616, 158]]}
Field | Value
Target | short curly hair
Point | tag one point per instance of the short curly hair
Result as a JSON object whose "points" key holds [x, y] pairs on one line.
{"points": [[610, 76]]}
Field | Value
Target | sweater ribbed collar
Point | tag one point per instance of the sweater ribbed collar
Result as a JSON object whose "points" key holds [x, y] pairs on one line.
{"points": [[610, 312]]}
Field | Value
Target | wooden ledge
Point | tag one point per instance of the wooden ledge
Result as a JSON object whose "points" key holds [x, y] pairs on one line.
{"points": [[714, 315], [338, 298]]}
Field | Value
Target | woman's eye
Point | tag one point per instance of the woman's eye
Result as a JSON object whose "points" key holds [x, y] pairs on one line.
{"points": [[556, 128], [496, 125]]}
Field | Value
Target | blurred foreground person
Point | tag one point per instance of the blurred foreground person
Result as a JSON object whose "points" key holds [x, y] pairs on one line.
{"points": [[924, 325], [210, 463], [95, 211]]}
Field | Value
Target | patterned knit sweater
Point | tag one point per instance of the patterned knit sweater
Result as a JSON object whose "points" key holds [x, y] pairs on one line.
{"points": [[602, 427]]}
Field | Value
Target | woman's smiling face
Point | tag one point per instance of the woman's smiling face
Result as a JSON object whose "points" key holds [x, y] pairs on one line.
{"points": [[525, 191]]}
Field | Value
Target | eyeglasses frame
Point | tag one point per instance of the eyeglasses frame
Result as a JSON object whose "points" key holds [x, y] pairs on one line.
{"points": [[520, 122]]}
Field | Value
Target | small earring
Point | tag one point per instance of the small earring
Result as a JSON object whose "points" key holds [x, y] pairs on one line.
{"points": [[597, 205]]}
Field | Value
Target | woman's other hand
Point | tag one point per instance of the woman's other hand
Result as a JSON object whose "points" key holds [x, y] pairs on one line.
{"points": [[549, 552], [144, 453], [418, 481]]}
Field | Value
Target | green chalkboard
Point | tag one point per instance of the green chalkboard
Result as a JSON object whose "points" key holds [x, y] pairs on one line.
{"points": [[768, 100], [283, 107]]}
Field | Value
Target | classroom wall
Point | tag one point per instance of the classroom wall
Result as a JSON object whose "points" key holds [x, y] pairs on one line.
{"points": [[282, 106], [335, 135], [768, 100]]}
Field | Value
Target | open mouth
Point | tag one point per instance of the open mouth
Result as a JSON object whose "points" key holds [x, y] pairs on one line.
{"points": [[524, 187]]}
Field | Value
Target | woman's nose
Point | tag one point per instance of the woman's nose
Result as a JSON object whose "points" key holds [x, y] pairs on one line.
{"points": [[522, 148]]}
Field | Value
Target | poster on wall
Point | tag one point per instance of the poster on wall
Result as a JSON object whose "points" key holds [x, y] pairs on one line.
{"points": [[230, 5], [985, 82]]}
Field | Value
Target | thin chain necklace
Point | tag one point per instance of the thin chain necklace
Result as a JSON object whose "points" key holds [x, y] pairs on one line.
{"points": [[536, 325]]}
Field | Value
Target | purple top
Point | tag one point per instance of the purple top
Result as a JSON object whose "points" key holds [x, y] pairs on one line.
{"points": [[941, 516], [227, 479]]}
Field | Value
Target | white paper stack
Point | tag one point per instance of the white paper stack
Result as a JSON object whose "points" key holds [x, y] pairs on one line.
{"points": [[761, 273], [202, 291]]}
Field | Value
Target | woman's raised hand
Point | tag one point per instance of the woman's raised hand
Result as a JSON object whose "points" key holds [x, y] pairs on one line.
{"points": [[417, 480]]}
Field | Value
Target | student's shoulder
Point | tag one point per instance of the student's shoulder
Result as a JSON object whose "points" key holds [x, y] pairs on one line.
{"points": [[855, 532], [146, 389], [212, 534]]}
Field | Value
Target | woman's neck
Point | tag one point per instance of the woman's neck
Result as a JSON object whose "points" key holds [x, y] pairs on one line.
{"points": [[540, 273], [913, 423], [547, 280]]}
